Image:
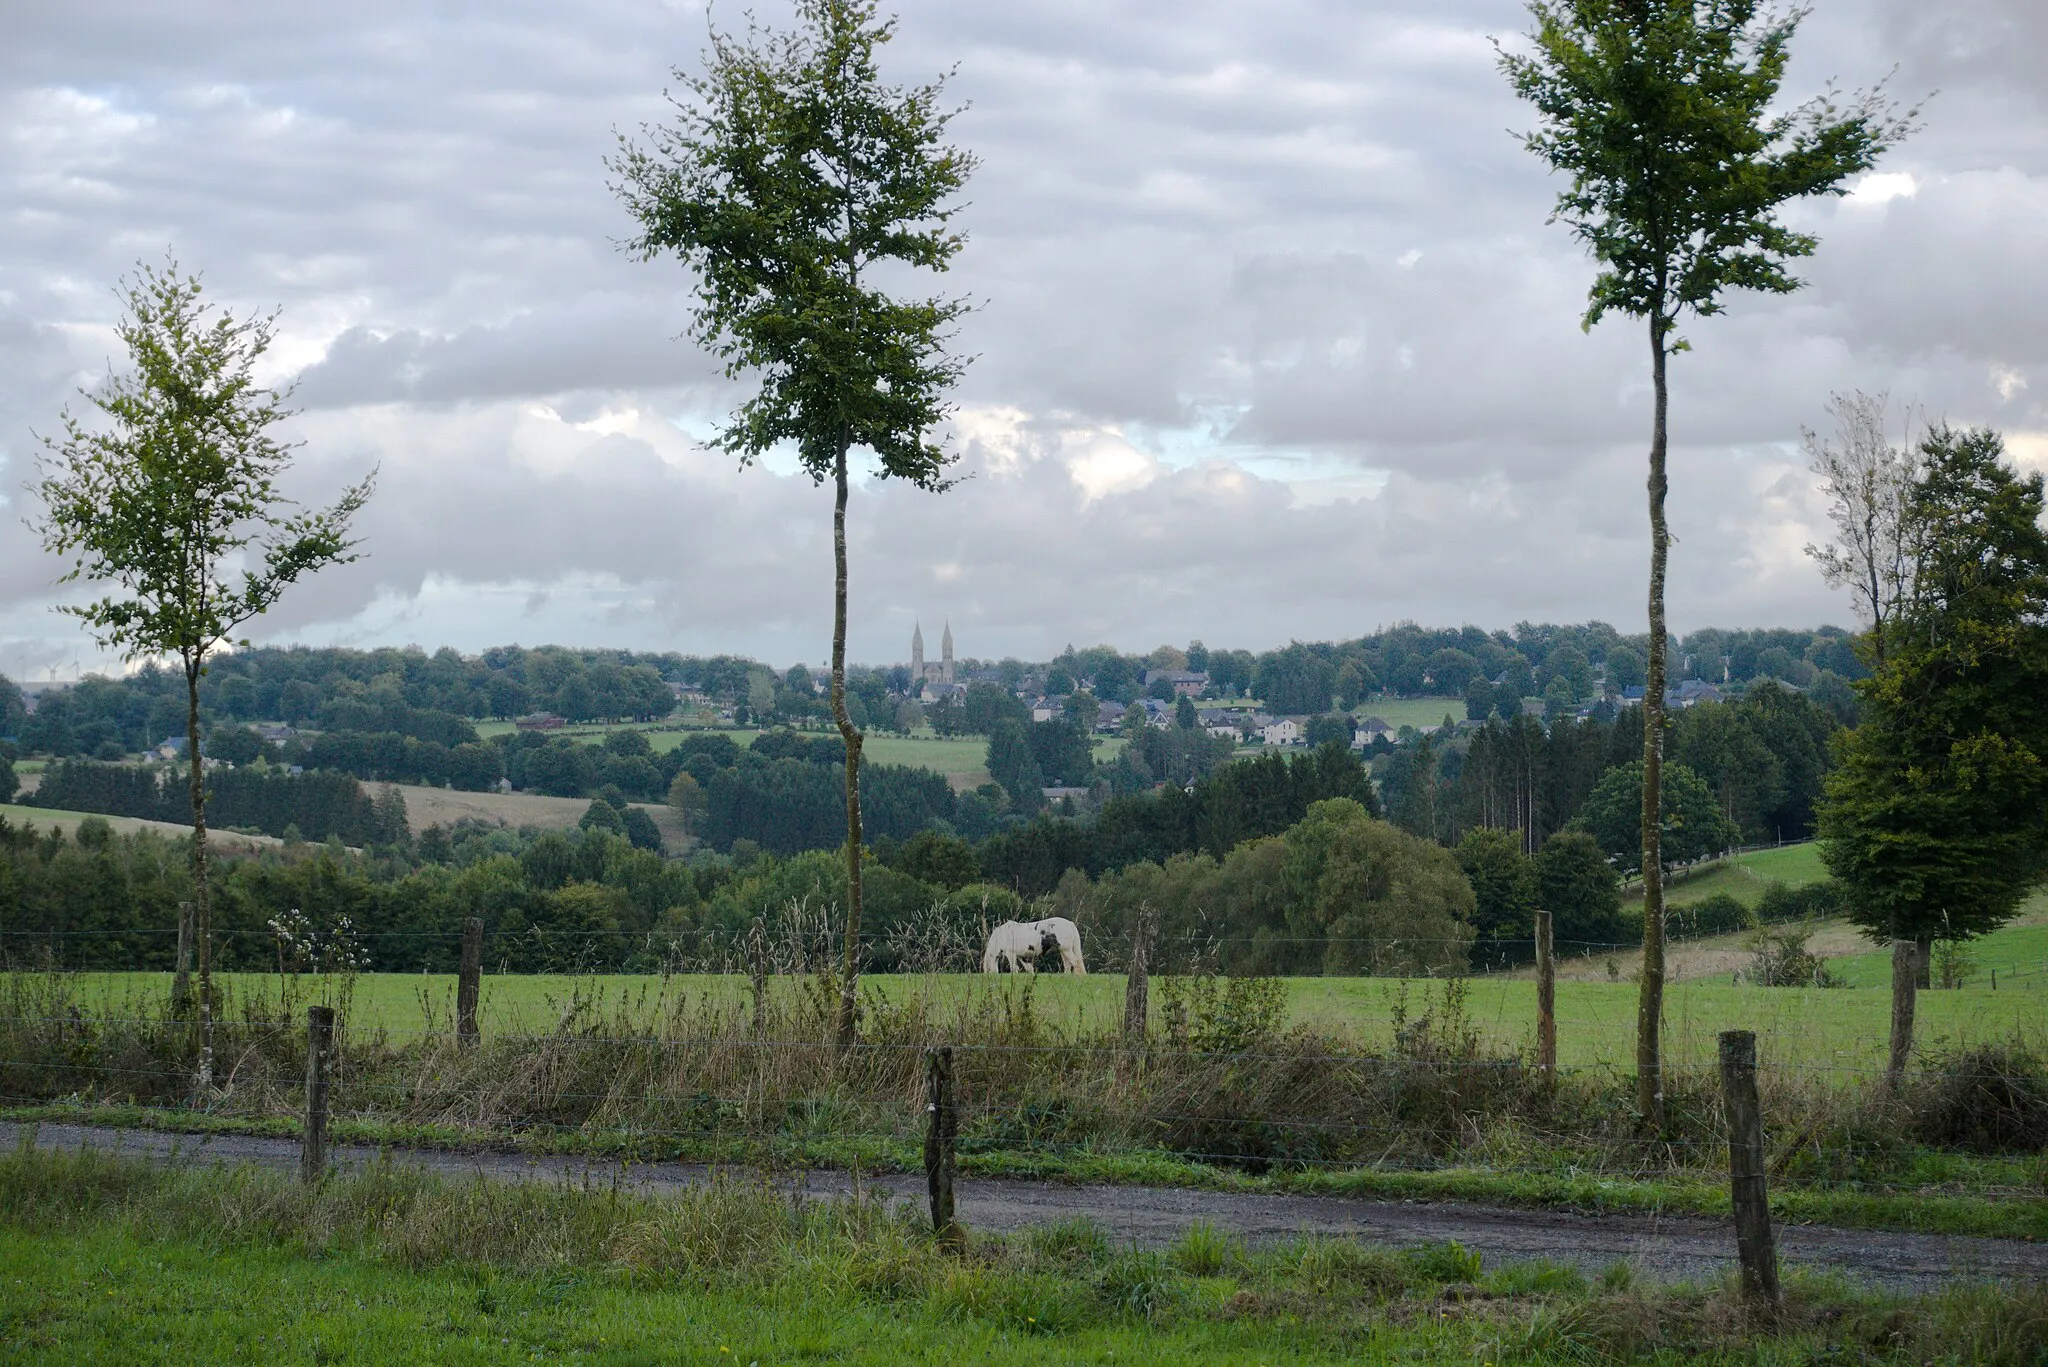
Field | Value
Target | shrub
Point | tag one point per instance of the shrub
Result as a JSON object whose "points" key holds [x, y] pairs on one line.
{"points": [[1781, 959], [1992, 1098], [1715, 915], [1813, 902]]}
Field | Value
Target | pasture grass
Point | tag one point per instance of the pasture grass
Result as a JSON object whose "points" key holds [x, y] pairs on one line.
{"points": [[1744, 876], [962, 759], [1416, 712], [1834, 1030], [43, 818], [1405, 1089], [108, 1259]]}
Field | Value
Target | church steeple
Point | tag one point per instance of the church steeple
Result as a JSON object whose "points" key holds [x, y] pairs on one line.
{"points": [[916, 653], [946, 653]]}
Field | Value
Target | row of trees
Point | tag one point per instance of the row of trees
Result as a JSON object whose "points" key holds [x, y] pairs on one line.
{"points": [[1756, 764], [436, 697], [315, 806]]}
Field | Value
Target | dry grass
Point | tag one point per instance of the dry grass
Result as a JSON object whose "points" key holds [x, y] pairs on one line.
{"points": [[426, 807], [1222, 1080]]}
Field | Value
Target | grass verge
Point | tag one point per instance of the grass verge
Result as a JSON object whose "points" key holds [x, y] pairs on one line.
{"points": [[112, 1260], [2016, 1205]]}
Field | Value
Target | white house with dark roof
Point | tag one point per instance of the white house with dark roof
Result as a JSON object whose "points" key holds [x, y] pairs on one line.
{"points": [[1281, 731]]}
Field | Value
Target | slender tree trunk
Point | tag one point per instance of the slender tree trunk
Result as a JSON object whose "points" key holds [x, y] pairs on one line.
{"points": [[202, 896], [849, 975], [1923, 960], [1905, 988], [1650, 1005]]}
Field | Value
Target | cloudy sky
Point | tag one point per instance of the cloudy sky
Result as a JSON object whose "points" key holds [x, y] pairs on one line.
{"points": [[1272, 341]]}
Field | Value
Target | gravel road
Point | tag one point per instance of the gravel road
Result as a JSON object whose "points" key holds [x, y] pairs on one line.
{"points": [[1666, 1249]]}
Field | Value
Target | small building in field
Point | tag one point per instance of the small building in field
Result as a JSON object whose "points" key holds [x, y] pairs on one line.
{"points": [[541, 721]]}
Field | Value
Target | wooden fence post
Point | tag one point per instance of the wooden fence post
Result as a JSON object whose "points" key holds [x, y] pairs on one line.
{"points": [[757, 976], [181, 980], [319, 1054], [942, 1125], [1754, 1243], [469, 982], [1546, 1000], [1138, 983]]}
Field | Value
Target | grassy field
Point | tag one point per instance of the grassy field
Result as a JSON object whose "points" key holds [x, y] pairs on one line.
{"points": [[426, 807], [960, 758], [1804, 1028], [1745, 876], [43, 818], [123, 1298], [106, 1260], [1417, 712]]}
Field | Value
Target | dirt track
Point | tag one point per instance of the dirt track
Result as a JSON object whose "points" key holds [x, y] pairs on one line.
{"points": [[1664, 1249]]}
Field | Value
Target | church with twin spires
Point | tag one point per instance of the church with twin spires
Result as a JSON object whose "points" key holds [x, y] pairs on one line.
{"points": [[937, 675]]}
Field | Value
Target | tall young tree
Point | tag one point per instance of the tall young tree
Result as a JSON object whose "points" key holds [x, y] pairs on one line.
{"points": [[171, 496], [1869, 483], [1661, 113], [1937, 818], [795, 183]]}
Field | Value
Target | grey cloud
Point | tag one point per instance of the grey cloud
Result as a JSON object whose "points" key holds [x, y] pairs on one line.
{"points": [[1187, 236]]}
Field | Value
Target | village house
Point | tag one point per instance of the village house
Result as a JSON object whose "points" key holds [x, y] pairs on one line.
{"points": [[1187, 683], [1281, 731]]}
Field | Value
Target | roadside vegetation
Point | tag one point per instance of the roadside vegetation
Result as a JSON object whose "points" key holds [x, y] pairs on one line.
{"points": [[107, 1259], [1407, 1096]]}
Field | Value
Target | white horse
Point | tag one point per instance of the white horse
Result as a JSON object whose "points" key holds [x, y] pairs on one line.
{"points": [[1018, 946]]}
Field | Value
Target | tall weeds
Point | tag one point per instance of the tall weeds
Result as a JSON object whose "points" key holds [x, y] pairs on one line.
{"points": [[1223, 1078]]}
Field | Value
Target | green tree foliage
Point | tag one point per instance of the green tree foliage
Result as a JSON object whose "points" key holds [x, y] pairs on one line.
{"points": [[1692, 828], [686, 800], [1297, 680], [172, 495], [1330, 727], [1175, 755], [1665, 115], [1582, 893], [321, 805], [1337, 892], [1625, 669], [1239, 802], [794, 183], [1013, 763], [1387, 901], [1936, 822], [602, 816], [944, 861], [1504, 893]]}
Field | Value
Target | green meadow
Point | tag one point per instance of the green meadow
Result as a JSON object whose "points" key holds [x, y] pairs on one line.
{"points": [[1745, 876], [962, 759], [1805, 1028]]}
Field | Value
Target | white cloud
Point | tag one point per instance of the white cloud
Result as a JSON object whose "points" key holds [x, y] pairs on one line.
{"points": [[1273, 340]]}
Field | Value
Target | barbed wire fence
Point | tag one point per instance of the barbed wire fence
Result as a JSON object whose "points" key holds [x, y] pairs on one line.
{"points": [[727, 1054]]}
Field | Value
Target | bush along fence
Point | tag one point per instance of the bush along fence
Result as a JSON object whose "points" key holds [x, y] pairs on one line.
{"points": [[1199, 1078]]}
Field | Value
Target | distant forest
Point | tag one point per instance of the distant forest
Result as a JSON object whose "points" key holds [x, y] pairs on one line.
{"points": [[387, 691], [1544, 745]]}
